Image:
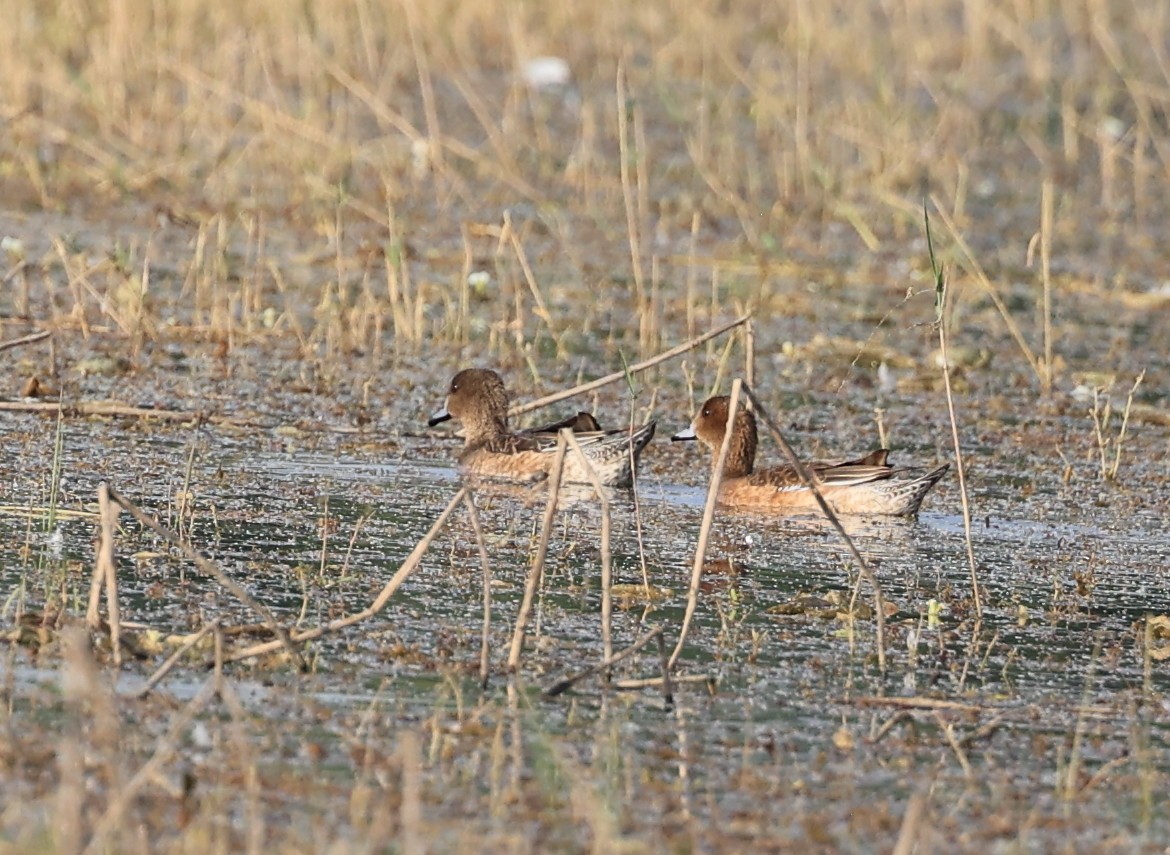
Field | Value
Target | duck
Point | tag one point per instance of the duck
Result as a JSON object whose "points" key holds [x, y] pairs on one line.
{"points": [[865, 485], [478, 398]]}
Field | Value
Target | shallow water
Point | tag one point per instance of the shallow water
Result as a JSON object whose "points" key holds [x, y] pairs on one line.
{"points": [[315, 534], [802, 744]]}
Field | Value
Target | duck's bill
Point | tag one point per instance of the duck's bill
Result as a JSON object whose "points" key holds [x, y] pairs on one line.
{"points": [[438, 416], [689, 433]]}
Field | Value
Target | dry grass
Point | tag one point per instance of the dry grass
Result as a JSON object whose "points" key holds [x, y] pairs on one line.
{"points": [[372, 152]]}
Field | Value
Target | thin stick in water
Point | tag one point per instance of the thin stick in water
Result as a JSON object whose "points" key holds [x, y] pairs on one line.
{"points": [[171, 660], [567, 683], [606, 553], [705, 528], [749, 353], [28, 339], [404, 572], [210, 569], [537, 572], [940, 285], [477, 529], [636, 368], [108, 569], [810, 482]]}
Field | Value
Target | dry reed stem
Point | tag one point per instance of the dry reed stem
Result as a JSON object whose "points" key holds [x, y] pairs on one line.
{"points": [[960, 469], [606, 552], [427, 90], [34, 512], [172, 660], [914, 703], [629, 371], [889, 724], [410, 811], [566, 683], [984, 730], [28, 339], [810, 482], [404, 572], [635, 683], [107, 567], [210, 568], [749, 352], [93, 613], [705, 527], [948, 730], [911, 825], [106, 408], [529, 277], [1119, 441], [77, 676], [632, 229], [536, 573], [485, 642]]}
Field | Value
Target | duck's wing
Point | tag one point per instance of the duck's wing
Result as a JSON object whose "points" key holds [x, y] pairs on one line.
{"points": [[583, 422], [877, 457], [605, 439], [864, 470]]}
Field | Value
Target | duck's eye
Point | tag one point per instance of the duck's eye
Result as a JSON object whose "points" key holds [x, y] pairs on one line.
{"points": [[454, 387], [706, 412]]}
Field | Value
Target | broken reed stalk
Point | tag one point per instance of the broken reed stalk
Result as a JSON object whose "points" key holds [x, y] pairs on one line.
{"points": [[705, 528], [637, 683], [210, 568], [477, 530], [411, 810], [810, 482], [606, 553], [536, 573], [105, 574], [626, 371], [1120, 439], [103, 408], [172, 660], [948, 730], [749, 352], [940, 301], [563, 685], [633, 458], [530, 278], [911, 825], [107, 568], [408, 567], [28, 339], [624, 160]]}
